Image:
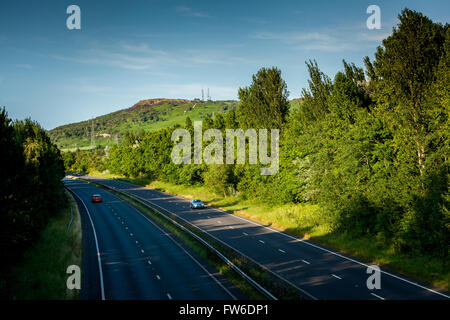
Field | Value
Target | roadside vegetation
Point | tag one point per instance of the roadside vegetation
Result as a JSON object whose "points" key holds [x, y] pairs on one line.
{"points": [[41, 274], [363, 155], [31, 191]]}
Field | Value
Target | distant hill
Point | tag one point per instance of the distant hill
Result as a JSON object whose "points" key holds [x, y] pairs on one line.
{"points": [[149, 115]]}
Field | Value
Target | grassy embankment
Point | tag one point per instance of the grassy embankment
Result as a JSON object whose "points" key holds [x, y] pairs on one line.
{"points": [[306, 220], [41, 275]]}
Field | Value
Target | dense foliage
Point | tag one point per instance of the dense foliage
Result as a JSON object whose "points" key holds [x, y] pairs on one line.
{"points": [[85, 160], [31, 190]]}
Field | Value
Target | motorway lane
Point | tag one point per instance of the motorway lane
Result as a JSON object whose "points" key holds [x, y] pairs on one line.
{"points": [[320, 272], [138, 260]]}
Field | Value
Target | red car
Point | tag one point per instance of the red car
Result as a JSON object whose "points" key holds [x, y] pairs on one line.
{"points": [[96, 198]]}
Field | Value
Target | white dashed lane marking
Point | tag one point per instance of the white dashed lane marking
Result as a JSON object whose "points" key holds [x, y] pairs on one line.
{"points": [[377, 296], [305, 261], [281, 250], [337, 277]]}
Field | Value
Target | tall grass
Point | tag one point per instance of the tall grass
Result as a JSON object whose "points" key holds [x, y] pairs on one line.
{"points": [[42, 273]]}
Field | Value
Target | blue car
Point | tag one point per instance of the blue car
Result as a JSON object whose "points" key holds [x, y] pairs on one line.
{"points": [[197, 204]]}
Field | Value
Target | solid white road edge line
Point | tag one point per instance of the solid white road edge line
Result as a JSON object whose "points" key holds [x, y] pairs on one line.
{"points": [[102, 289]]}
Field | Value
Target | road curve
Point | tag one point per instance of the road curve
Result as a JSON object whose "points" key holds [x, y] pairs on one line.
{"points": [[129, 257], [320, 272]]}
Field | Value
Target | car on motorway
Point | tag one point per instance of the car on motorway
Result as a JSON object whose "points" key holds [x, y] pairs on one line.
{"points": [[197, 204], [96, 198]]}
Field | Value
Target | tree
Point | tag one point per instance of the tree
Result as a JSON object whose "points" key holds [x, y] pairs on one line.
{"points": [[220, 178], [129, 139], [31, 190], [188, 124], [315, 98], [264, 104], [407, 68], [346, 97], [219, 122], [69, 160], [12, 163], [231, 121]]}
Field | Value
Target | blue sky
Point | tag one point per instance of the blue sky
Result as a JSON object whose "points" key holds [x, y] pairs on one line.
{"points": [[132, 50]]}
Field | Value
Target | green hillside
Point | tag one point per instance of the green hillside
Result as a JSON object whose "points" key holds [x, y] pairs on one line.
{"points": [[148, 115]]}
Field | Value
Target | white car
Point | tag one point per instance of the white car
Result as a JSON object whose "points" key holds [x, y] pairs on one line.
{"points": [[197, 204]]}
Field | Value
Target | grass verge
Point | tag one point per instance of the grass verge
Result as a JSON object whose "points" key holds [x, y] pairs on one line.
{"points": [[307, 221], [41, 275]]}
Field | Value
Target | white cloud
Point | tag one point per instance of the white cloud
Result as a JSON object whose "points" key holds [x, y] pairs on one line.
{"points": [[189, 12], [254, 20], [24, 66], [125, 56], [141, 48], [142, 57], [328, 40], [326, 47], [315, 41], [373, 36], [214, 57], [292, 37]]}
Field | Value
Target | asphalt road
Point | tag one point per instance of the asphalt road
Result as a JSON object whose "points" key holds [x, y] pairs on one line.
{"points": [[318, 271], [127, 256]]}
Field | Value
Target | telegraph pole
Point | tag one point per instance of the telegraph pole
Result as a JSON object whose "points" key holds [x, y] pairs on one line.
{"points": [[92, 134]]}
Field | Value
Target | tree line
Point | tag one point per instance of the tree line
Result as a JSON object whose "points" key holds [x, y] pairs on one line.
{"points": [[31, 191], [369, 145]]}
